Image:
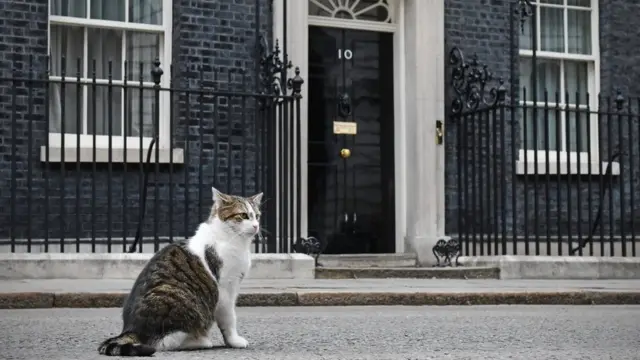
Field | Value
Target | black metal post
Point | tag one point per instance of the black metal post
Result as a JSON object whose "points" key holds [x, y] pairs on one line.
{"points": [[295, 84], [156, 76], [473, 100], [526, 10]]}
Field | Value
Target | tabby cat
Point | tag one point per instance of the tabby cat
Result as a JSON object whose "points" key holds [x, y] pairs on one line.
{"points": [[188, 287]]}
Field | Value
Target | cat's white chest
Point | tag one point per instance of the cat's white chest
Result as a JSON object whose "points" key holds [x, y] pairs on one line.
{"points": [[235, 267], [236, 263]]}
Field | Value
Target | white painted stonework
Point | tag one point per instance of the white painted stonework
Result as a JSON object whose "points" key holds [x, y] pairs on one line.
{"points": [[16, 266], [419, 58], [424, 102]]}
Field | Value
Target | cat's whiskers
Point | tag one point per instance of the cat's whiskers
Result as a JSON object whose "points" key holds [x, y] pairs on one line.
{"points": [[261, 234]]}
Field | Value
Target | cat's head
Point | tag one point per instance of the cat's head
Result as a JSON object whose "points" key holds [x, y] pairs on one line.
{"points": [[239, 214]]}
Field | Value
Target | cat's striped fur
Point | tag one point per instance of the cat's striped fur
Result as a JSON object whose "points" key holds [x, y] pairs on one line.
{"points": [[188, 287]]}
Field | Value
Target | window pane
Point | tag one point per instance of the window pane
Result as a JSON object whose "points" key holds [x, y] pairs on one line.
{"points": [[145, 11], [585, 3], [546, 123], [105, 45], [525, 34], [576, 80], [578, 120], [75, 8], [557, 2], [551, 29], [104, 108], [67, 42], [316, 10], [141, 47], [548, 78], [107, 10], [68, 100], [138, 109], [366, 10], [579, 29]]}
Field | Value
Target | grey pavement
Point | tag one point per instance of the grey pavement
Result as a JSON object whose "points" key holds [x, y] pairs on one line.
{"points": [[350, 285], [452, 332]]}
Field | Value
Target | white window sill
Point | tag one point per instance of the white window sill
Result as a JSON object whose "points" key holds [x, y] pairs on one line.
{"points": [[566, 168], [102, 155]]}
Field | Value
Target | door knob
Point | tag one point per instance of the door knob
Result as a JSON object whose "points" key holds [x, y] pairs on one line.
{"points": [[345, 153]]}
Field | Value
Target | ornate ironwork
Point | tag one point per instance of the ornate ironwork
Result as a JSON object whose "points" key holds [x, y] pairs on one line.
{"points": [[524, 11], [271, 68], [447, 250], [310, 246], [469, 81]]}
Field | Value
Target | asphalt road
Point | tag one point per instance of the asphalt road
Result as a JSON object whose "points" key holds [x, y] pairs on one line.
{"points": [[470, 332]]}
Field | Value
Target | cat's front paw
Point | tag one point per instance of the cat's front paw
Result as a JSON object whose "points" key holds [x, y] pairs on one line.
{"points": [[237, 342]]}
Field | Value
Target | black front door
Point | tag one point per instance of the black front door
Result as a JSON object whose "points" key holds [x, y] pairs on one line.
{"points": [[351, 177]]}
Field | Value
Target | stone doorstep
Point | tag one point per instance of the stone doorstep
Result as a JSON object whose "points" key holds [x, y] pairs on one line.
{"points": [[367, 260], [15, 266], [482, 272], [115, 300], [559, 267]]}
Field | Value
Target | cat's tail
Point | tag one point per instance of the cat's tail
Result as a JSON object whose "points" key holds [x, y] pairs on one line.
{"points": [[125, 344]]}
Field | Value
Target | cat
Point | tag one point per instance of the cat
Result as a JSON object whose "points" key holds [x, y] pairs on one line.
{"points": [[187, 287]]}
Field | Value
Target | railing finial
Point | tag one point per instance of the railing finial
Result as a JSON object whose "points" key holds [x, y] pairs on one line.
{"points": [[619, 100], [156, 72], [295, 84]]}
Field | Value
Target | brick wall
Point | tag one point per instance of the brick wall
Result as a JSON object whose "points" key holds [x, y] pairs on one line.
{"points": [[484, 28], [24, 28], [217, 35], [619, 47], [481, 28], [215, 41]]}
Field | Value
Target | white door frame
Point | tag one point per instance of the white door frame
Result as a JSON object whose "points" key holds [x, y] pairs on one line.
{"points": [[298, 22]]}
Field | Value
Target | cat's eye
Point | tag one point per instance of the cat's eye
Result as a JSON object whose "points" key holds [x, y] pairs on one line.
{"points": [[243, 216]]}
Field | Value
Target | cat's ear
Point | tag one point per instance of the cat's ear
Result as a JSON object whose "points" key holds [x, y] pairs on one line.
{"points": [[256, 200], [218, 197]]}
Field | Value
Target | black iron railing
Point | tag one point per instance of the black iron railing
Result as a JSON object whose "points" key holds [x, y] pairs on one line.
{"points": [[127, 163], [540, 177]]}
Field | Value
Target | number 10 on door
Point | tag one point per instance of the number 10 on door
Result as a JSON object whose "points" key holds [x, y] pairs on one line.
{"points": [[346, 54]]}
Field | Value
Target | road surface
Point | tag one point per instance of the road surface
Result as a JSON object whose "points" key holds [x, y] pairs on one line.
{"points": [[469, 332]]}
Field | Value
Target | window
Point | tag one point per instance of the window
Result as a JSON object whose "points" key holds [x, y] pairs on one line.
{"points": [[373, 15], [115, 36], [567, 64], [368, 10]]}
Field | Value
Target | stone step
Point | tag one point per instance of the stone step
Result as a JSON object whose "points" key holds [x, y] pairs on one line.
{"points": [[408, 272], [367, 260]]}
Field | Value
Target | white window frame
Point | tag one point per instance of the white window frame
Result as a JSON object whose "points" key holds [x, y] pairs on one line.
{"points": [[117, 141], [569, 159]]}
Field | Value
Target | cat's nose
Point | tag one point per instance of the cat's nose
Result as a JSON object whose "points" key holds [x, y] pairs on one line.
{"points": [[255, 226]]}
